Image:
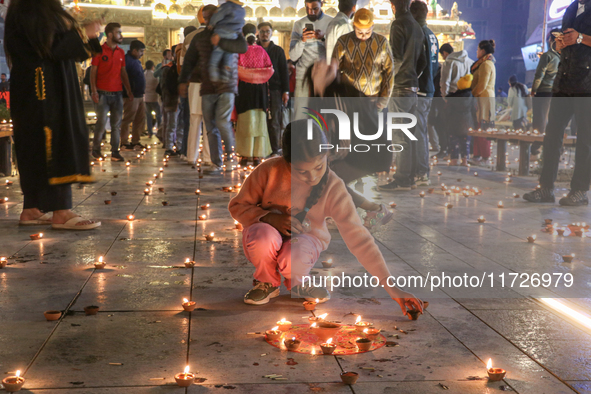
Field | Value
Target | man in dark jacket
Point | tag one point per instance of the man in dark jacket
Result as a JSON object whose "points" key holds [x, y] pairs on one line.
{"points": [[217, 98], [134, 112], [542, 89], [407, 42], [419, 11], [278, 86], [571, 96]]}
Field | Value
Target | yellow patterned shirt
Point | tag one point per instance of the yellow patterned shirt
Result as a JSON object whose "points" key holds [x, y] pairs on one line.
{"points": [[367, 65]]}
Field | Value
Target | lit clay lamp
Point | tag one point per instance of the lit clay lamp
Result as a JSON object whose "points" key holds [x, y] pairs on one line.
{"points": [[481, 219], [448, 206], [8, 183], [284, 325], [515, 195], [310, 305], [363, 344], [91, 310], [568, 258], [327, 263], [328, 347], [185, 379], [494, 374], [443, 187], [189, 263], [3, 200], [438, 172], [238, 225], [273, 334], [197, 192], [3, 262], [52, 315], [362, 325], [422, 194], [127, 164], [349, 377], [413, 314], [531, 239], [205, 207], [35, 237], [146, 191], [189, 306], [155, 176], [100, 264], [202, 217], [371, 333], [161, 169], [130, 218], [475, 174], [500, 205], [392, 204], [209, 237], [560, 231], [149, 183], [14, 383], [292, 344]]}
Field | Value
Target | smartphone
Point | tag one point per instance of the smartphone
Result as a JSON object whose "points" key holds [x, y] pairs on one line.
{"points": [[557, 34], [309, 27]]}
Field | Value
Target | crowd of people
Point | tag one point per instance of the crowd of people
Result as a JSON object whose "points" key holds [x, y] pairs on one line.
{"points": [[227, 65]]}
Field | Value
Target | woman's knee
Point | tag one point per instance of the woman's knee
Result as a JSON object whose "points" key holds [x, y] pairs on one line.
{"points": [[262, 234]]}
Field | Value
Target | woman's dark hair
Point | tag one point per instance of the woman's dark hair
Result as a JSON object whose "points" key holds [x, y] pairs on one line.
{"points": [[487, 46], [518, 85], [298, 148], [249, 28], [39, 21]]}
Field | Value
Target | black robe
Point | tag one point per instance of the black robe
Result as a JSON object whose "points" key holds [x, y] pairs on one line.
{"points": [[50, 132]]}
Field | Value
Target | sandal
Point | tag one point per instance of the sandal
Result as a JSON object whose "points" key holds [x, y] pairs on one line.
{"points": [[379, 218], [72, 224], [42, 220]]}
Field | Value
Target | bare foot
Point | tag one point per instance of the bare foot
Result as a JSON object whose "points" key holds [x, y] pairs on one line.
{"points": [[62, 216], [31, 214]]}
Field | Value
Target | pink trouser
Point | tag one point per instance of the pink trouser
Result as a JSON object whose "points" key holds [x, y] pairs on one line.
{"points": [[272, 255]]}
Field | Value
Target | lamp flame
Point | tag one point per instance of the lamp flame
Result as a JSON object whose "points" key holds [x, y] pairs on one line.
{"points": [[329, 340], [313, 325], [358, 319], [18, 373], [323, 316], [187, 260], [282, 321], [489, 364], [365, 331], [275, 328], [185, 301], [186, 369], [101, 259], [316, 300]]}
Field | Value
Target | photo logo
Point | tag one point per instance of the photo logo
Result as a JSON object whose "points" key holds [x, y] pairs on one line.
{"points": [[344, 129]]}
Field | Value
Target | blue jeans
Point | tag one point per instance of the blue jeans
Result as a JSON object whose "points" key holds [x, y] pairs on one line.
{"points": [[184, 122], [113, 103], [404, 101], [422, 134], [170, 129], [220, 64], [217, 111], [149, 120]]}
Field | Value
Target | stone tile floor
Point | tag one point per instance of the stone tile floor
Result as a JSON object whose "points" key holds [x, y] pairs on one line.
{"points": [[142, 326]]}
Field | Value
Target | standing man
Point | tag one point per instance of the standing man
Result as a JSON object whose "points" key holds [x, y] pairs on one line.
{"points": [[196, 128], [151, 99], [217, 98], [166, 59], [184, 113], [340, 25], [419, 11], [278, 86], [107, 79], [308, 46], [134, 111], [571, 96], [542, 90], [407, 42]]}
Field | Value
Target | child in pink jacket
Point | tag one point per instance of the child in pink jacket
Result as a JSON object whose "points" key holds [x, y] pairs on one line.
{"points": [[283, 206]]}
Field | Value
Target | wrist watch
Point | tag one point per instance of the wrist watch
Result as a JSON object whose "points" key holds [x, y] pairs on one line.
{"points": [[580, 39]]}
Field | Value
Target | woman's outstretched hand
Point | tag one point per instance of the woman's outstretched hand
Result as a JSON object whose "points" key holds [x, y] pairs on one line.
{"points": [[409, 301]]}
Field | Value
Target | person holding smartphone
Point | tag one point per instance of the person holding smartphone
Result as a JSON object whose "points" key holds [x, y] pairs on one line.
{"points": [[308, 46], [571, 96]]}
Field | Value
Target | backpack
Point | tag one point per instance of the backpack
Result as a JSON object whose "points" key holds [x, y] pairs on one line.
{"points": [[170, 79]]}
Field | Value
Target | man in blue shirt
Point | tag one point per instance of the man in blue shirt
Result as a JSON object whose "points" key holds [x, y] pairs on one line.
{"points": [[134, 111]]}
